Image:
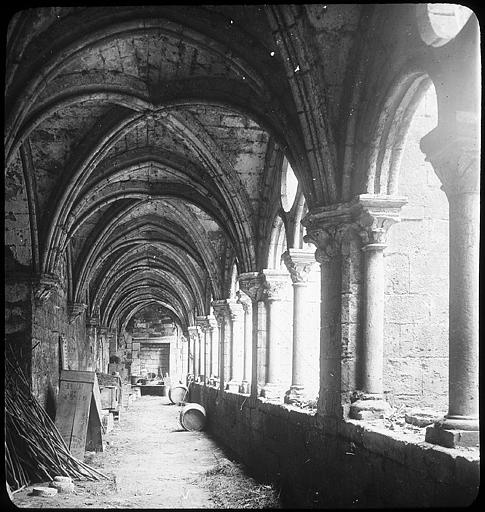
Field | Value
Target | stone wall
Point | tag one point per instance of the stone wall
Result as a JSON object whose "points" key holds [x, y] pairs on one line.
{"points": [[50, 323], [416, 269], [347, 464], [155, 357]]}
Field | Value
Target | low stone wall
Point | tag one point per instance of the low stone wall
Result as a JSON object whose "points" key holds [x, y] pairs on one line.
{"points": [[341, 464]]}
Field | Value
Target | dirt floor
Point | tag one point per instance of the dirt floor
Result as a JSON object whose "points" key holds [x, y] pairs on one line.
{"points": [[151, 462]]}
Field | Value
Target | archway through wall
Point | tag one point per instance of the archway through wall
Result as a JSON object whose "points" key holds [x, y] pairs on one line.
{"points": [[416, 269]]}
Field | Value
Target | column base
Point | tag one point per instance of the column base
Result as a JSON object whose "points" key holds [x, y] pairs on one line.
{"points": [[271, 391], [295, 395], [233, 386], [369, 407], [454, 431]]}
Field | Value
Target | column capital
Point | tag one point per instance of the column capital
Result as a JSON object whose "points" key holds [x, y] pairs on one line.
{"points": [[202, 322], [44, 285], [103, 330], [373, 215], [235, 309], [220, 310], [75, 309], [244, 300], [326, 227], [212, 322], [454, 154], [194, 331], [368, 216], [252, 284], [299, 263], [92, 321], [276, 285]]}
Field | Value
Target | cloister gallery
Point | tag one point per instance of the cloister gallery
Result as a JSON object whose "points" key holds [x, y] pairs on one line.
{"points": [[287, 198]]}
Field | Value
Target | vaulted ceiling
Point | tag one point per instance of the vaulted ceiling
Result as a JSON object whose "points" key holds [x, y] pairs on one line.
{"points": [[149, 141], [147, 132]]}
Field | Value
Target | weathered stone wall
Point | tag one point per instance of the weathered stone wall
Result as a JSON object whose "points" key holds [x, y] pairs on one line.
{"points": [[349, 465], [49, 323], [155, 357], [416, 269], [18, 263]]}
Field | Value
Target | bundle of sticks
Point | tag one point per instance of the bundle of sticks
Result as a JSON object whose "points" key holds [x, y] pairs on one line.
{"points": [[34, 449]]}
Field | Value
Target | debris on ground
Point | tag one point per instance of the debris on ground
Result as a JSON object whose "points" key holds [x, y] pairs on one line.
{"points": [[231, 487], [34, 448]]}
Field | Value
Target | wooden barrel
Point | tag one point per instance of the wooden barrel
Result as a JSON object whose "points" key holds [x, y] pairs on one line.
{"points": [[192, 417], [176, 394]]}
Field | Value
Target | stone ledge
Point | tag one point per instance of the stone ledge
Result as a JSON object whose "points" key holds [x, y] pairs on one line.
{"points": [[435, 461]]}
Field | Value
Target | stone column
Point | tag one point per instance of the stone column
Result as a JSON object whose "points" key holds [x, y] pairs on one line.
{"points": [[102, 339], [299, 263], [92, 323], [237, 346], [213, 348], [194, 338], [220, 312], [251, 283], [276, 289], [375, 214], [184, 354], [245, 302], [202, 324], [456, 160]]}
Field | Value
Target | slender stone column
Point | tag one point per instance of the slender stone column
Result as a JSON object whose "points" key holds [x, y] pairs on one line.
{"points": [[92, 323], [237, 347], [203, 325], [456, 160], [220, 312], [213, 348], [194, 338], [276, 289], [245, 302], [325, 229], [251, 283], [374, 215], [185, 356], [299, 263], [102, 340]]}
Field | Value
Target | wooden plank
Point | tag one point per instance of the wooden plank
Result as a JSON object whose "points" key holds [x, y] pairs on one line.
{"points": [[97, 397], [72, 414], [80, 419], [78, 415], [94, 439]]}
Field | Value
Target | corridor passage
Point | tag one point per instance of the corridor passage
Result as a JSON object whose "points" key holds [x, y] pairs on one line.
{"points": [[152, 462]]}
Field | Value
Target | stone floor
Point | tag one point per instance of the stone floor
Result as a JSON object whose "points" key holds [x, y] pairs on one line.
{"points": [[151, 462]]}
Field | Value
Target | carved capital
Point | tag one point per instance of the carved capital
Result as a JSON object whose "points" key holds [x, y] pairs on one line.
{"points": [[367, 216], [244, 300], [194, 332], [92, 321], [236, 311], [44, 285], [220, 310], [202, 323], [252, 284], [75, 309], [326, 227], [276, 285], [212, 322], [373, 215], [299, 263], [455, 156]]}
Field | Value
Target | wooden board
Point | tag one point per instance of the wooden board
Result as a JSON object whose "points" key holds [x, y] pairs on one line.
{"points": [[79, 411]]}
